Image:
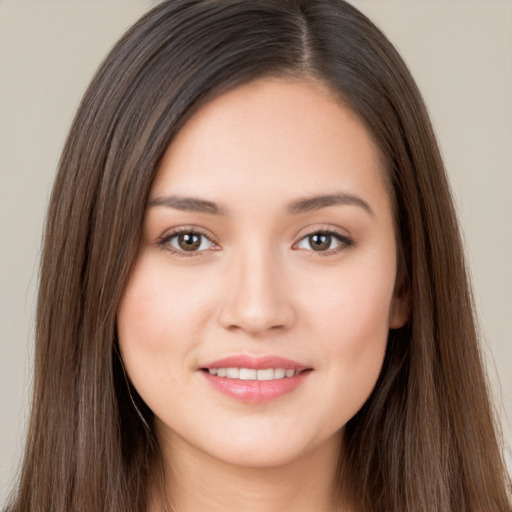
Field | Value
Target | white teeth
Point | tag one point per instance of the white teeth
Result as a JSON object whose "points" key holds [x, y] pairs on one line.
{"points": [[233, 373], [247, 374], [252, 374], [280, 373], [266, 374]]}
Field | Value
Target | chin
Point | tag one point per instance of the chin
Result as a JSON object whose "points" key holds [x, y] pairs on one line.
{"points": [[260, 447]]}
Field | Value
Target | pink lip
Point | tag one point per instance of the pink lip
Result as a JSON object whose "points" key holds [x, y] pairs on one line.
{"points": [[254, 391], [256, 363]]}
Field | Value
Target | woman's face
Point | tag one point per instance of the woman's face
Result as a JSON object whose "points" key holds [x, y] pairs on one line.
{"points": [[255, 321]]}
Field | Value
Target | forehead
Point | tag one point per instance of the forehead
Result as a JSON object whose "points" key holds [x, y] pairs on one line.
{"points": [[271, 134]]}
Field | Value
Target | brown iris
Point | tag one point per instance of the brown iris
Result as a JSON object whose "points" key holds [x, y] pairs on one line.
{"points": [[189, 241], [320, 241]]}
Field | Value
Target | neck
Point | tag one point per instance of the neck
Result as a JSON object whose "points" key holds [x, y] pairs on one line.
{"points": [[196, 481]]}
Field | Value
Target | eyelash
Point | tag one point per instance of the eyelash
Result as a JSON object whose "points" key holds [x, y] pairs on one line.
{"points": [[344, 241], [164, 242]]}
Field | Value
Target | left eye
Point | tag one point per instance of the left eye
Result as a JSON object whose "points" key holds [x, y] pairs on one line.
{"points": [[189, 241], [321, 241]]}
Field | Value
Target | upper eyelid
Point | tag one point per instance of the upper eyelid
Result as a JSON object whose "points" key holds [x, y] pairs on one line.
{"points": [[172, 232], [323, 228], [341, 238]]}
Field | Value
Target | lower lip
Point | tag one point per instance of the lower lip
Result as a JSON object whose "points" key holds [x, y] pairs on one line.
{"points": [[256, 391]]}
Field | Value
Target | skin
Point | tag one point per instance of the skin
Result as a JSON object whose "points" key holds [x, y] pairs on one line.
{"points": [[256, 286]]}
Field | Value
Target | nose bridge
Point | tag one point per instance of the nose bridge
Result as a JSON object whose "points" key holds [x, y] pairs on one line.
{"points": [[256, 298]]}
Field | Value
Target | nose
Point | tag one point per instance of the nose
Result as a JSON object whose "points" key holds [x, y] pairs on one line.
{"points": [[257, 298]]}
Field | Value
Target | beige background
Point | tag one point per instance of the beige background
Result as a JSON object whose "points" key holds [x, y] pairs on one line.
{"points": [[460, 52]]}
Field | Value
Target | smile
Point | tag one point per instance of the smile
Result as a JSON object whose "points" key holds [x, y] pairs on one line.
{"points": [[255, 379], [253, 374]]}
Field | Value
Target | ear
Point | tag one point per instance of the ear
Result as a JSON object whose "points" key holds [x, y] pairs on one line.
{"points": [[400, 310]]}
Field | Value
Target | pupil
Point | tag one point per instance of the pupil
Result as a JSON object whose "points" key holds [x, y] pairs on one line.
{"points": [[320, 241], [189, 241]]}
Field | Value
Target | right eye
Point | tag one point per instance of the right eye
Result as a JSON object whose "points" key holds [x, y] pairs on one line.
{"points": [[188, 241]]}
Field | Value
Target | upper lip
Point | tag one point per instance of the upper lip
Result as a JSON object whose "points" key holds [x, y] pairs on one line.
{"points": [[256, 363]]}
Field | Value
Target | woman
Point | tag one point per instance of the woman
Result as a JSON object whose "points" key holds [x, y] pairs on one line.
{"points": [[253, 293]]}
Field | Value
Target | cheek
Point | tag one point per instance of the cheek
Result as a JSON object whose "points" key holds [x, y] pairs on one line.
{"points": [[350, 318], [142, 320], [159, 306], [351, 307], [141, 336], [354, 332], [158, 326]]}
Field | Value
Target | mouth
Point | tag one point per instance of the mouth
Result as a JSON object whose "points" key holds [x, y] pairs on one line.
{"points": [[255, 379], [265, 374]]}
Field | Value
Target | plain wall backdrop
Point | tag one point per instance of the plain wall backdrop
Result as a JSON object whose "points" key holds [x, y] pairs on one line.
{"points": [[459, 51]]}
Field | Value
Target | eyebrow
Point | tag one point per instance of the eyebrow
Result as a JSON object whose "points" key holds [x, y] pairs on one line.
{"points": [[309, 204], [188, 204]]}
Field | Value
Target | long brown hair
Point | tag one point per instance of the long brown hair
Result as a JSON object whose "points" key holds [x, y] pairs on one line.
{"points": [[426, 439]]}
